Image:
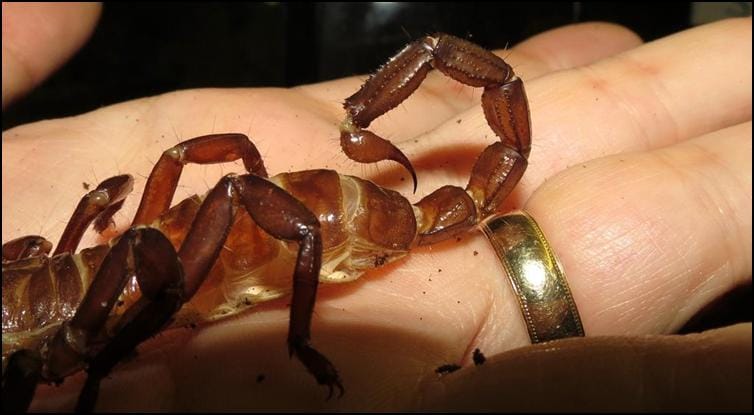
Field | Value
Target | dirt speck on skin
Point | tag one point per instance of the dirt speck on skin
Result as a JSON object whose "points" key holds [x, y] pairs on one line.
{"points": [[476, 253], [260, 378], [85, 185], [478, 357], [445, 369], [380, 260]]}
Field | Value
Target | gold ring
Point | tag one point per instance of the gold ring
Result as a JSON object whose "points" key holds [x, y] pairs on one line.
{"points": [[536, 275]]}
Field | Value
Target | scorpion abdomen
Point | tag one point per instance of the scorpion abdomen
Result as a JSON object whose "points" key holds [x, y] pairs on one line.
{"points": [[41, 292], [362, 225], [365, 224]]}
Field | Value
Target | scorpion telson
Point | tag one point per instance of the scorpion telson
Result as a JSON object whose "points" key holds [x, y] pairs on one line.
{"points": [[169, 268]]}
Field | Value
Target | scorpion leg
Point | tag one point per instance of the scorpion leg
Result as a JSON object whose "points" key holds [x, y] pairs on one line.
{"points": [[26, 247], [20, 379], [72, 343], [167, 279], [161, 280], [99, 206], [285, 217], [274, 210], [208, 149]]}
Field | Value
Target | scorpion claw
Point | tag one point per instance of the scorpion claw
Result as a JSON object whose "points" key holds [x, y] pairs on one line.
{"points": [[336, 384], [318, 365]]}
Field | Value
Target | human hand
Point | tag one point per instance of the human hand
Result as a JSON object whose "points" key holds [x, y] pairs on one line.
{"points": [[38, 38], [628, 259]]}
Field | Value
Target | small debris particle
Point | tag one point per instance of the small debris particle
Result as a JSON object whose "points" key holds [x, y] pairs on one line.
{"points": [[458, 239], [246, 301], [439, 270], [459, 301], [403, 179], [429, 279], [380, 260], [478, 357], [85, 185], [458, 121], [476, 253], [420, 318], [445, 369], [424, 292], [260, 378]]}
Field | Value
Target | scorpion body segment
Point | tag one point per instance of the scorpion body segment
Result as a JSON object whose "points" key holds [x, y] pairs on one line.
{"points": [[359, 232], [251, 238]]}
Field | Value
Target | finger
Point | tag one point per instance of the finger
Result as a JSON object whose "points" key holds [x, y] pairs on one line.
{"points": [[569, 47], [657, 94], [556, 49], [710, 371], [648, 239], [38, 38]]}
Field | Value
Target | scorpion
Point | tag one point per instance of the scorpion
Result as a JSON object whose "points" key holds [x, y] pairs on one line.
{"points": [[89, 310]]}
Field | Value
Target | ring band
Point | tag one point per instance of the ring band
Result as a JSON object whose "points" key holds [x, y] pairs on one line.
{"points": [[536, 275]]}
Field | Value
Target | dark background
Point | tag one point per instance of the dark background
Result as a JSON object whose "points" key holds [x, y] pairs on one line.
{"points": [[143, 49]]}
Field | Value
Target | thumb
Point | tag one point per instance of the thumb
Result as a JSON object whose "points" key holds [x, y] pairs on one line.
{"points": [[38, 38], [707, 371]]}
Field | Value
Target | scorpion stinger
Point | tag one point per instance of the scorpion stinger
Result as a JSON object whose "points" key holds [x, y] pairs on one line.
{"points": [[504, 101]]}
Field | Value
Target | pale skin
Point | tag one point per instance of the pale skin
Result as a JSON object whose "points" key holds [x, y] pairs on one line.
{"points": [[639, 175]]}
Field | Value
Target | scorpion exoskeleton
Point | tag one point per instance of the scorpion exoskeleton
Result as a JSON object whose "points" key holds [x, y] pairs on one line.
{"points": [[90, 309]]}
